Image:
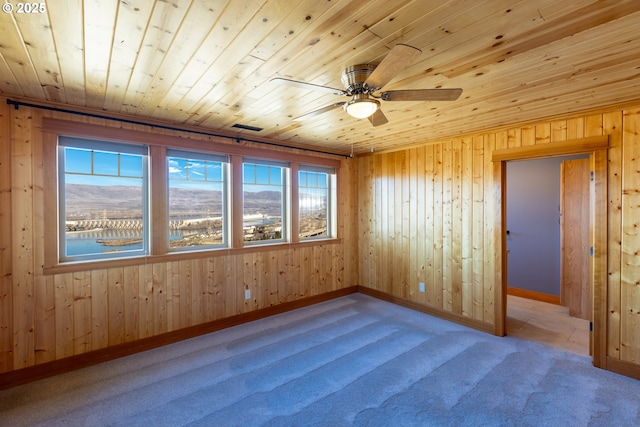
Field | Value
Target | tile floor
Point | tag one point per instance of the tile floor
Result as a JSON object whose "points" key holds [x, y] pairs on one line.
{"points": [[548, 324]]}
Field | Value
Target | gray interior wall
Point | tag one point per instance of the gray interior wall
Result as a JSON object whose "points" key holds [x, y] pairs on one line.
{"points": [[533, 220]]}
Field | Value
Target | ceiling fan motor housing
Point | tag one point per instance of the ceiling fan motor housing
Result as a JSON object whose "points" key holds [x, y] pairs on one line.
{"points": [[353, 79]]}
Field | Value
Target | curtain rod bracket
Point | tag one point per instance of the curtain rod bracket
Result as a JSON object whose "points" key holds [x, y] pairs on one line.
{"points": [[16, 105]]}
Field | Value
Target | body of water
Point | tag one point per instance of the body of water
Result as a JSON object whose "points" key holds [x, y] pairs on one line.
{"points": [[86, 242]]}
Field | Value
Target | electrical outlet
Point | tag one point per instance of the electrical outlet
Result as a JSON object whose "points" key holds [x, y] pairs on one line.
{"points": [[247, 294], [421, 287]]}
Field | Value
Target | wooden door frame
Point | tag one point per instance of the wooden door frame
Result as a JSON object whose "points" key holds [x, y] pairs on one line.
{"points": [[596, 148]]}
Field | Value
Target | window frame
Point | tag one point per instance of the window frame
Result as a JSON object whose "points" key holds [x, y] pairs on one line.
{"points": [[157, 142], [331, 210], [96, 145], [226, 217], [284, 202]]}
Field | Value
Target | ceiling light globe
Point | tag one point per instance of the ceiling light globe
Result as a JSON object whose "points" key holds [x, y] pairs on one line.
{"points": [[361, 106]]}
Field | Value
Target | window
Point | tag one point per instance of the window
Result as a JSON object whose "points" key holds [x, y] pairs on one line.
{"points": [[197, 200], [117, 199], [263, 186], [315, 202], [103, 199]]}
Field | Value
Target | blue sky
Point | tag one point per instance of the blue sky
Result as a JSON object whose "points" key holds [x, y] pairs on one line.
{"points": [[111, 169], [194, 174], [107, 169]]}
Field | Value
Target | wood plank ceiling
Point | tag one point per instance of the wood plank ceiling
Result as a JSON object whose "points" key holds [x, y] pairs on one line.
{"points": [[208, 64]]}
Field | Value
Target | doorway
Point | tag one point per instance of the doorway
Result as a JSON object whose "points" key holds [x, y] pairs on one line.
{"points": [[596, 149], [547, 217]]}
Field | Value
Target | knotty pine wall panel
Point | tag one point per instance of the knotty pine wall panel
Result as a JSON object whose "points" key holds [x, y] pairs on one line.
{"points": [[448, 189], [612, 126], [49, 316], [630, 257], [22, 238], [6, 250]]}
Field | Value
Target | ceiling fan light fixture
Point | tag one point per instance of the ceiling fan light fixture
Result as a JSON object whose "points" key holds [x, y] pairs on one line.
{"points": [[361, 106]]}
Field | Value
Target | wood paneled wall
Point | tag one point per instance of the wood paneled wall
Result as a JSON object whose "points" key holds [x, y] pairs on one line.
{"points": [[47, 317], [426, 215]]}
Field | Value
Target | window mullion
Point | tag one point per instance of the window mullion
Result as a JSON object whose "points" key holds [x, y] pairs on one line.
{"points": [[237, 220], [158, 206], [294, 210]]}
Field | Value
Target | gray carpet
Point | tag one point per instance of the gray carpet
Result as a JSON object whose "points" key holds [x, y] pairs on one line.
{"points": [[353, 361]]}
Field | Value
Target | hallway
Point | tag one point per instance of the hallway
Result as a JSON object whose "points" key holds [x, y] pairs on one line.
{"points": [[548, 324]]}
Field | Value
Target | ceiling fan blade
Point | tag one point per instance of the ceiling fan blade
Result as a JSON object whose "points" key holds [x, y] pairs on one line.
{"points": [[378, 118], [310, 86], [319, 111], [396, 60], [422, 95]]}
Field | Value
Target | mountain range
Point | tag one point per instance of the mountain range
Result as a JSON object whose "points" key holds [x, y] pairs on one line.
{"points": [[90, 201]]}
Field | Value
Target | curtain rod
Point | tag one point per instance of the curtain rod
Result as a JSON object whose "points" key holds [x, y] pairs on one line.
{"points": [[17, 104]]}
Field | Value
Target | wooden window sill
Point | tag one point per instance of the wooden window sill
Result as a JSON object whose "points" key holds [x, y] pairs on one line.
{"points": [[72, 267]]}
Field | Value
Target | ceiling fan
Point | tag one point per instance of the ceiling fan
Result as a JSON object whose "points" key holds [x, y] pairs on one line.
{"points": [[363, 84]]}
